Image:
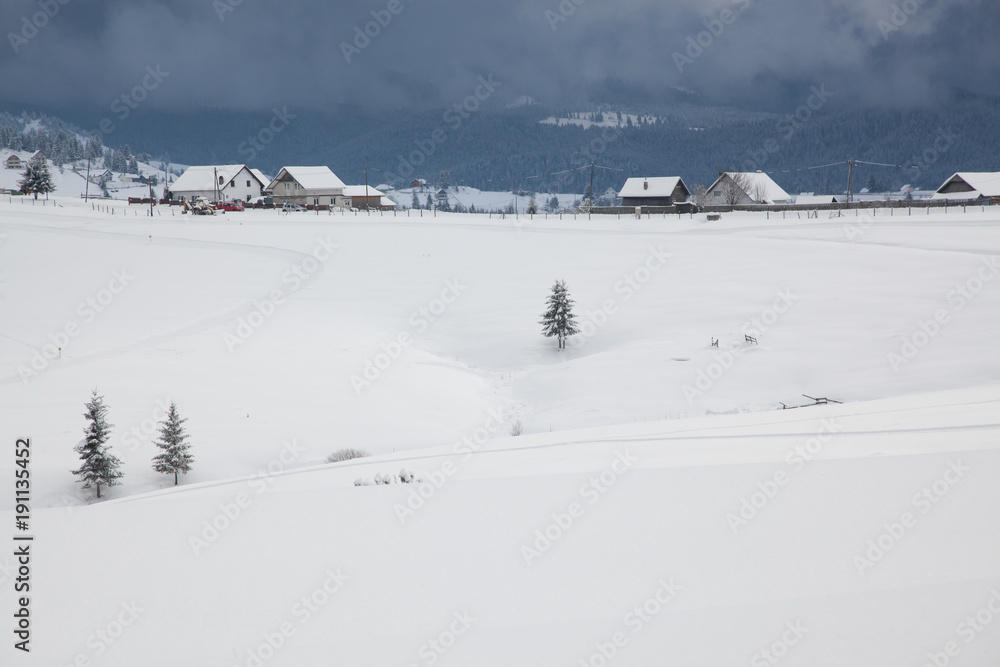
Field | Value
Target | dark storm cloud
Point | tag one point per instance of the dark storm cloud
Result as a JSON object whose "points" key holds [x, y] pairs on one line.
{"points": [[256, 54]]}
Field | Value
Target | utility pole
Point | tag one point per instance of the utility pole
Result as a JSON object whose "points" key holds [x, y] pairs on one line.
{"points": [[367, 201], [590, 205], [150, 198], [850, 181], [215, 182], [86, 191]]}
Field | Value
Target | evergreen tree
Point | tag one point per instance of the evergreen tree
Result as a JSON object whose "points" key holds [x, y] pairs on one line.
{"points": [[415, 201], [37, 179], [429, 204], [532, 207], [99, 467], [559, 321], [176, 457]]}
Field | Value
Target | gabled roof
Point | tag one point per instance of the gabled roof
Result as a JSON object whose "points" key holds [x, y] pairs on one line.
{"points": [[773, 193], [359, 191], [261, 178], [983, 183], [651, 187], [203, 179], [311, 178]]}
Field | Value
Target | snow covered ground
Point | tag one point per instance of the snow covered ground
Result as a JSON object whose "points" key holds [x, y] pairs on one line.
{"points": [[660, 507], [483, 200]]}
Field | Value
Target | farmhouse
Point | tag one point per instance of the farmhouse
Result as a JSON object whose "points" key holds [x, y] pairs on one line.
{"points": [[746, 188], [367, 197], [14, 162], [308, 186], [667, 191], [230, 182], [976, 186]]}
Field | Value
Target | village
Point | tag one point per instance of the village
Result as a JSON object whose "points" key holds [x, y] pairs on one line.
{"points": [[207, 189]]}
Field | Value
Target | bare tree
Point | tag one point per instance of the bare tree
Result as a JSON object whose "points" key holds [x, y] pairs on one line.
{"points": [[735, 188], [760, 192], [699, 194]]}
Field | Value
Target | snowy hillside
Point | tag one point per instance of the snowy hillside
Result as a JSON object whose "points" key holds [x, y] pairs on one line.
{"points": [[660, 508]]}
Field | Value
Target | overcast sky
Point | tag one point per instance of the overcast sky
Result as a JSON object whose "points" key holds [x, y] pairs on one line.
{"points": [[265, 53]]}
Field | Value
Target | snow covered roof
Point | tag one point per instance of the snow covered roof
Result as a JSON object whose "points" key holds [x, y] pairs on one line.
{"points": [[810, 200], [203, 179], [311, 178], [773, 193], [359, 191], [651, 187], [983, 183], [261, 178]]}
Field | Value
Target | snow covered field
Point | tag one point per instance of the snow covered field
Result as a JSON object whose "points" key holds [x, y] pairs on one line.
{"points": [[660, 508]]}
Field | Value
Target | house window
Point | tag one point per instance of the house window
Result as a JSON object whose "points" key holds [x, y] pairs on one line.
{"points": [[221, 180], [248, 184], [316, 201]]}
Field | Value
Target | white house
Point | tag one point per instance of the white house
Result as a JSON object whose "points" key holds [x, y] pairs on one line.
{"points": [[971, 185], [744, 188], [230, 182], [308, 186], [666, 191]]}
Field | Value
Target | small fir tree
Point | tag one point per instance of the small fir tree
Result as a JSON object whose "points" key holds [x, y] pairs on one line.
{"points": [[176, 456], [559, 321], [100, 467], [37, 179]]}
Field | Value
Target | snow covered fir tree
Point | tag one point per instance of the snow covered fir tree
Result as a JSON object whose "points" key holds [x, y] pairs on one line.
{"points": [[175, 457], [100, 467], [37, 179], [559, 321]]}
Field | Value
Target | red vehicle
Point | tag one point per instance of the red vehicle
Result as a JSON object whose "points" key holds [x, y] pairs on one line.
{"points": [[228, 206]]}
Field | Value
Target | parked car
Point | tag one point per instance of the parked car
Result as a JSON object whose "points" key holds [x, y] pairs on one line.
{"points": [[229, 206], [288, 208]]}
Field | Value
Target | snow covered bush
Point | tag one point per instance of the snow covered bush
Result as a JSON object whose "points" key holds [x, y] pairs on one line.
{"points": [[346, 455]]}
